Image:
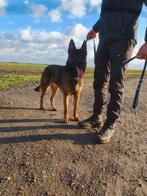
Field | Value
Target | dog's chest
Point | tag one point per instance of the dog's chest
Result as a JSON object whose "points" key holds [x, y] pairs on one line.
{"points": [[76, 85], [73, 85]]}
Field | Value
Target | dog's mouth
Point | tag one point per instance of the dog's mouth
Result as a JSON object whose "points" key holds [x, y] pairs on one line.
{"points": [[80, 72]]}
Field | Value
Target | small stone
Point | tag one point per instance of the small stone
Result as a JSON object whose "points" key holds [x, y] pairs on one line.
{"points": [[89, 146], [44, 173], [105, 184], [73, 186], [44, 194], [27, 153], [145, 178], [51, 152], [1, 179], [9, 178], [74, 160], [140, 185]]}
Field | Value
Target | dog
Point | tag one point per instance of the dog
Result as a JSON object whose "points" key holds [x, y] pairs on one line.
{"points": [[68, 78]]}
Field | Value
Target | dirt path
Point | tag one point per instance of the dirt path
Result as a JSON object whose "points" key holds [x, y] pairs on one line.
{"points": [[40, 156]]}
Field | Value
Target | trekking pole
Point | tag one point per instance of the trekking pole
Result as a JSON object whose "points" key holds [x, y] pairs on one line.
{"points": [[136, 97]]}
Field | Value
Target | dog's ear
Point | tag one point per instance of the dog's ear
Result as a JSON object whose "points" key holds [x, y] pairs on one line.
{"points": [[71, 45], [84, 46]]}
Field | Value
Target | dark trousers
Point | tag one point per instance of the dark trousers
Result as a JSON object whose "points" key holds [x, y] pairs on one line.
{"points": [[109, 75]]}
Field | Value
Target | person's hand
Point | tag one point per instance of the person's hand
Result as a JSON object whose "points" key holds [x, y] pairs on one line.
{"points": [[142, 53], [91, 35]]}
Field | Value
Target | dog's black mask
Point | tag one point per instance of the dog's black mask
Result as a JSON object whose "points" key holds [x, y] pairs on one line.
{"points": [[76, 62]]}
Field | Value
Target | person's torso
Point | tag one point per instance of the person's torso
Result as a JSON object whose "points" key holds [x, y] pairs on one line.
{"points": [[119, 19]]}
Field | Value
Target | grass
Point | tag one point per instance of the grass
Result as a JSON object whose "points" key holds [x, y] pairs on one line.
{"points": [[14, 73], [20, 68], [89, 72], [9, 80]]}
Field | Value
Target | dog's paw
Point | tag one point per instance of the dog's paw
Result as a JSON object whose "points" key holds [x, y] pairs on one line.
{"points": [[54, 109], [66, 120], [76, 118]]}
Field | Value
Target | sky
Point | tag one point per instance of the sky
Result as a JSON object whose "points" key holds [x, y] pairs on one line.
{"points": [[39, 31]]}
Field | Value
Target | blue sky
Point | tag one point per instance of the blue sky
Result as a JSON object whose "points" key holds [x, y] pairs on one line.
{"points": [[38, 31]]}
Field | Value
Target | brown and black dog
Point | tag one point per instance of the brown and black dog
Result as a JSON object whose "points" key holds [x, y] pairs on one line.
{"points": [[68, 78]]}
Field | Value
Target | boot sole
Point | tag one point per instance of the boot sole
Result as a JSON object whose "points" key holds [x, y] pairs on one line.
{"points": [[104, 141], [100, 141]]}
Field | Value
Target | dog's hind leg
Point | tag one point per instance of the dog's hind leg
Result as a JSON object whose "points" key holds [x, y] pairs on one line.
{"points": [[54, 89], [43, 91]]}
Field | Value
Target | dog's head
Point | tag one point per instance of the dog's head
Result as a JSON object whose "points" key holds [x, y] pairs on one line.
{"points": [[76, 62]]}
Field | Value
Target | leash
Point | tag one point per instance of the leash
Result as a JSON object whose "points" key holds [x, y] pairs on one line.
{"points": [[136, 97], [128, 61], [124, 63]]}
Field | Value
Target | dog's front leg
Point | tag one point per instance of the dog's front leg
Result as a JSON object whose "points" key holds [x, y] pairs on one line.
{"points": [[66, 115], [76, 103]]}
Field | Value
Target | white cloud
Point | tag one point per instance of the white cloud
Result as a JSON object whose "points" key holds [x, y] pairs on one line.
{"points": [[55, 15], [3, 4], [25, 34], [37, 36], [38, 10], [37, 46], [74, 7], [78, 31], [26, 2], [78, 9], [95, 2]]}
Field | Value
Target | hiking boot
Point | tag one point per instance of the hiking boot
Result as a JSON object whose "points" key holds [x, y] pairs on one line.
{"points": [[106, 133], [90, 122]]}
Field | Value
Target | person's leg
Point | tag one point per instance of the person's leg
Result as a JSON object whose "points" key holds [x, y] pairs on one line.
{"points": [[101, 78], [118, 52]]}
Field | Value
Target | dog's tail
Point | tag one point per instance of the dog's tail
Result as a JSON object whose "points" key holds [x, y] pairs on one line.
{"points": [[37, 89]]}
